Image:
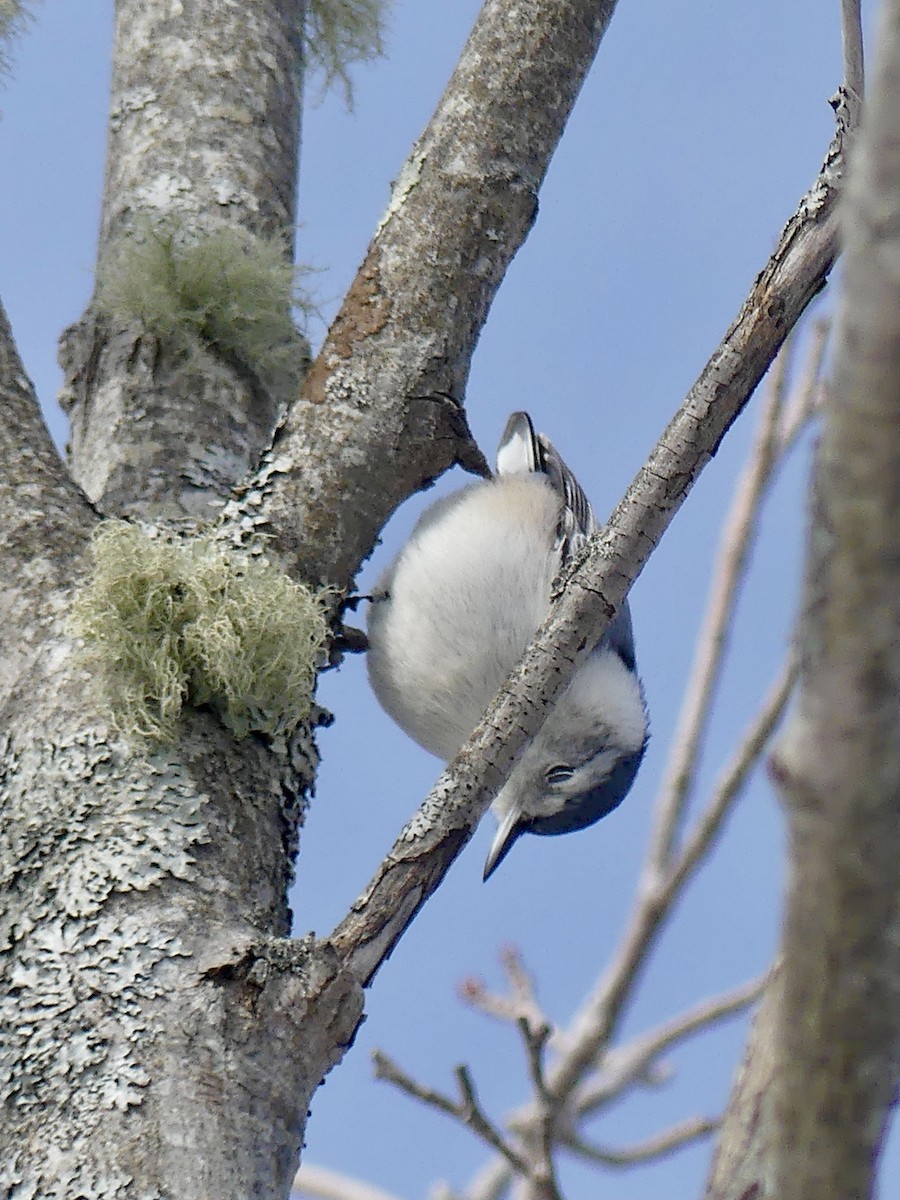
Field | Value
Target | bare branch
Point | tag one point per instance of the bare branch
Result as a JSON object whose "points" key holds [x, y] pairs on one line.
{"points": [[467, 1109], [535, 1044], [543, 1169], [730, 568], [635, 1062], [521, 984], [311, 1180], [431, 841], [692, 1130], [393, 369], [781, 419], [472, 1114], [852, 46], [520, 1004], [593, 1026], [388, 1070], [837, 764], [732, 782], [806, 394]]}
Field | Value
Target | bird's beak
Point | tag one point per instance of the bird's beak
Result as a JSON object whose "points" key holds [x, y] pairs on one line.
{"points": [[503, 842]]}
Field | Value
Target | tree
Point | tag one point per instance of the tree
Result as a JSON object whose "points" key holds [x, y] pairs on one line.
{"points": [[228, 969]]}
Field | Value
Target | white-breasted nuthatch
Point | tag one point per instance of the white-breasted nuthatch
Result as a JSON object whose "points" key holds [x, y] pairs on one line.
{"points": [[454, 613]]}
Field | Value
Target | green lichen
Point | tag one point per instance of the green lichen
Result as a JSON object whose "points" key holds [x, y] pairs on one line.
{"points": [[340, 33], [167, 623], [225, 296]]}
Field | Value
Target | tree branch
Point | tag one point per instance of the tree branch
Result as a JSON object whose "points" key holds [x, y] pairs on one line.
{"points": [[852, 46], [805, 397], [466, 1109], [692, 1130], [731, 562], [393, 369], [520, 1005], [311, 1180], [837, 764], [45, 520], [595, 589], [632, 1063]]}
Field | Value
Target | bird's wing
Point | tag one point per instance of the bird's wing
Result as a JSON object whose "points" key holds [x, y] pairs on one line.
{"points": [[522, 452]]}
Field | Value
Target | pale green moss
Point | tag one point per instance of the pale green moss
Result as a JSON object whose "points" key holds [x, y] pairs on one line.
{"points": [[340, 33], [167, 623], [226, 295], [14, 16]]}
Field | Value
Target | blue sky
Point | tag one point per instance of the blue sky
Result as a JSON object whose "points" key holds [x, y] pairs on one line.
{"points": [[698, 130]]}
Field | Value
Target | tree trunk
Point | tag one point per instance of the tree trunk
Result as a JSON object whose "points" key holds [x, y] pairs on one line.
{"points": [[162, 1035], [203, 135], [810, 1110]]}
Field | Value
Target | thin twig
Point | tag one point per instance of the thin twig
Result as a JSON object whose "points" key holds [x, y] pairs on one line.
{"points": [[311, 1180], [594, 1024], [730, 568], [535, 1043], [474, 992], [472, 1114], [734, 778], [805, 396], [682, 1134], [852, 46], [521, 1003], [522, 987], [466, 1110], [387, 1069], [635, 1062]]}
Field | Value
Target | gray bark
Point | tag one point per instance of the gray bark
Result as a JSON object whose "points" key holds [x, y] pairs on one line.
{"points": [[588, 599], [203, 133], [162, 1036], [824, 1066], [153, 1011], [392, 372]]}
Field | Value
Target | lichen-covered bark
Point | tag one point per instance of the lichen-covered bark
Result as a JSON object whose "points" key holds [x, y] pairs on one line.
{"points": [[153, 1011], [203, 131], [161, 1027], [162, 1036], [147, 990], [833, 1037], [157, 1033], [146, 986]]}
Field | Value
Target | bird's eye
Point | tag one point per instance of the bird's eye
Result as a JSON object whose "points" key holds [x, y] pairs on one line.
{"points": [[559, 774]]}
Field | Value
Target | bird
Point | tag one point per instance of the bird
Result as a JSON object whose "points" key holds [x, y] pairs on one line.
{"points": [[453, 614]]}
